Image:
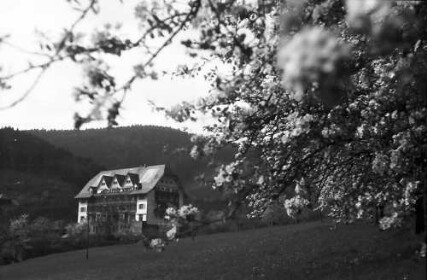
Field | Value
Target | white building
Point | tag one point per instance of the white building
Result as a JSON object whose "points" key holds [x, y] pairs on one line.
{"points": [[124, 198]]}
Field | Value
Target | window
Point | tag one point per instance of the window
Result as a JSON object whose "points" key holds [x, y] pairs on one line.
{"points": [[141, 206], [82, 219], [82, 209], [142, 217]]}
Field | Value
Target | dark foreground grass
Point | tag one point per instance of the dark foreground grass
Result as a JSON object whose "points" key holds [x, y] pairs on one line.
{"points": [[304, 251]]}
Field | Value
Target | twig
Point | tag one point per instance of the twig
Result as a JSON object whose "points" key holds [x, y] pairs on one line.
{"points": [[27, 92], [47, 64], [24, 50], [126, 86]]}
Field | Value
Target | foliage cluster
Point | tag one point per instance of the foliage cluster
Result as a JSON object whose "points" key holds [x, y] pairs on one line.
{"points": [[329, 93], [25, 238]]}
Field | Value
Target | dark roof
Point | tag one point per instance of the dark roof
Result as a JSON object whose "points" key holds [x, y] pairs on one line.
{"points": [[108, 180], [120, 179], [133, 177], [148, 176]]}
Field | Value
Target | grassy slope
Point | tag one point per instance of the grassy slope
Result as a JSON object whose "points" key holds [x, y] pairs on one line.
{"points": [[305, 251]]}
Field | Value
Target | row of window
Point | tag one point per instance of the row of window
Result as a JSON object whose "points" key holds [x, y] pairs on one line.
{"points": [[116, 198], [166, 196], [166, 189], [117, 190], [122, 217], [140, 206], [167, 181]]}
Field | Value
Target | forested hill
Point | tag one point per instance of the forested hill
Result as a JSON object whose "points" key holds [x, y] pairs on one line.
{"points": [[41, 177], [133, 146], [44, 170]]}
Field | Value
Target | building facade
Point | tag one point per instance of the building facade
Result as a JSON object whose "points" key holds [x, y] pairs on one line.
{"points": [[128, 199]]}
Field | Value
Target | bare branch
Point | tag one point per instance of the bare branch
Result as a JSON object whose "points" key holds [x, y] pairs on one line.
{"points": [[47, 64], [27, 91], [23, 50], [127, 85]]}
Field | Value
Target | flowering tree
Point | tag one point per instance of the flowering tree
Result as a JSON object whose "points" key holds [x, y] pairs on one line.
{"points": [[179, 219], [329, 94]]}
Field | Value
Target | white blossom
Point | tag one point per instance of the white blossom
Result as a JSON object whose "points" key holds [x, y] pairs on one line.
{"points": [[308, 56], [294, 205]]}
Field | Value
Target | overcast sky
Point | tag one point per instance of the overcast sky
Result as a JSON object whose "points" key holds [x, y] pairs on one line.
{"points": [[51, 104]]}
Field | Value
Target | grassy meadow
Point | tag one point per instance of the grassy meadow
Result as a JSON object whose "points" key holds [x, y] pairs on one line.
{"points": [[301, 251]]}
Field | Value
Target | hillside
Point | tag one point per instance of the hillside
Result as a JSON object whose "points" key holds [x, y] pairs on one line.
{"points": [[137, 145], [41, 177], [303, 251], [38, 195]]}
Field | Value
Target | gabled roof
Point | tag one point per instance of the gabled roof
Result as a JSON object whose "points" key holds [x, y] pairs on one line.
{"points": [[133, 177], [148, 176], [120, 178], [108, 180]]}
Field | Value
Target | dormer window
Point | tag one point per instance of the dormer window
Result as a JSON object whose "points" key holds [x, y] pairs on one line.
{"points": [[104, 184], [131, 180]]}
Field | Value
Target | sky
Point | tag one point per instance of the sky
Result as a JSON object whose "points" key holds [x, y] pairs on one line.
{"points": [[51, 104]]}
